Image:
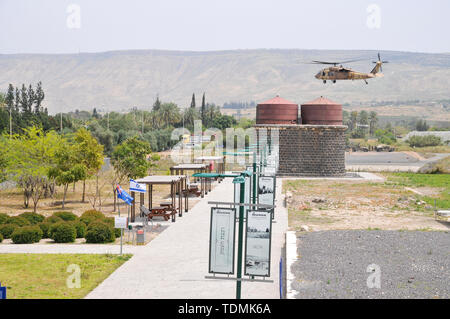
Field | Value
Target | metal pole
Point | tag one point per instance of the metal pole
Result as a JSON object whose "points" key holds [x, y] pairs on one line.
{"points": [[240, 240], [254, 178], [121, 230]]}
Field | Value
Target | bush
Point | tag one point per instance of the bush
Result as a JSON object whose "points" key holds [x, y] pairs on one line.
{"points": [[66, 216], [110, 222], [99, 232], [80, 227], [19, 221], [26, 235], [45, 227], [4, 218], [424, 140], [63, 232], [53, 220], [91, 215], [7, 230], [33, 218], [1, 238]]}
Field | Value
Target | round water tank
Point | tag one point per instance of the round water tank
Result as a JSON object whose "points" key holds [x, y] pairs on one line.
{"points": [[277, 111], [321, 111]]}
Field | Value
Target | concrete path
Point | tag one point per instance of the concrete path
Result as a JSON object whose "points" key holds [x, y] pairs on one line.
{"points": [[175, 263]]}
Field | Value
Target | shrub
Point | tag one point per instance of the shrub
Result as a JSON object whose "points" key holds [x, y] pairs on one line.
{"points": [[26, 235], [4, 218], [423, 140], [66, 216], [99, 232], [33, 218], [110, 222], [53, 219], [1, 238], [80, 227], [63, 232], [91, 215], [19, 221], [7, 230], [45, 227]]}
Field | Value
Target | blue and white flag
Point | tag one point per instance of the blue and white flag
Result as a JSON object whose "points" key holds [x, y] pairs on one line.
{"points": [[136, 187], [123, 195]]}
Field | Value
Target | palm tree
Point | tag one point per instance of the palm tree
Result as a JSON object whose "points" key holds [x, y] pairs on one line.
{"points": [[372, 122], [353, 119]]}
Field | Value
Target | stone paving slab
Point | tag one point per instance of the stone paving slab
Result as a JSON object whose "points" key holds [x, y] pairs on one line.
{"points": [[175, 263]]}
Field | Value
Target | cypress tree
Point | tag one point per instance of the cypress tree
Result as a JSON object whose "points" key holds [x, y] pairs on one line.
{"points": [[203, 107], [193, 100]]}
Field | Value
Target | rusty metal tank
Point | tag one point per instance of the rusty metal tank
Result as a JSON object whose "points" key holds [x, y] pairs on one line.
{"points": [[321, 111], [277, 111]]}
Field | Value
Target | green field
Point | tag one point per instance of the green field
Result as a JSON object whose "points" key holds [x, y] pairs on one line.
{"points": [[44, 276], [439, 181]]}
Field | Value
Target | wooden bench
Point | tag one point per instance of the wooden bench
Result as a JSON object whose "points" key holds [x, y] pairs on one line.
{"points": [[161, 211]]}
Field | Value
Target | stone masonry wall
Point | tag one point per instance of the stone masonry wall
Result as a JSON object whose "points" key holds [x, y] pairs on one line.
{"points": [[311, 150]]}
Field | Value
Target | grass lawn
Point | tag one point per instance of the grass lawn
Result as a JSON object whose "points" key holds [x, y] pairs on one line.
{"points": [[441, 182], [44, 276]]}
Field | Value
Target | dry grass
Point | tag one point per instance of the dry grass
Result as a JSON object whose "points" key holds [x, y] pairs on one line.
{"points": [[326, 204]]}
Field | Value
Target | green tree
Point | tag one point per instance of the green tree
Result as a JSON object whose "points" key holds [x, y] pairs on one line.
{"points": [[130, 160], [353, 120], [88, 153], [203, 107], [193, 100], [157, 104], [67, 169], [363, 117], [169, 114], [29, 157], [373, 119]]}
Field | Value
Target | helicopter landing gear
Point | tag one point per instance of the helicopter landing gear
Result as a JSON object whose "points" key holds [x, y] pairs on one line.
{"points": [[324, 81], [366, 81]]}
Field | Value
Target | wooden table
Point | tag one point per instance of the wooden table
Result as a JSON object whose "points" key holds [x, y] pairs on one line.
{"points": [[180, 169], [176, 183], [219, 163]]}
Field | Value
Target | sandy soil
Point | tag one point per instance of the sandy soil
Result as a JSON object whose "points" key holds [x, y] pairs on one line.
{"points": [[332, 205]]}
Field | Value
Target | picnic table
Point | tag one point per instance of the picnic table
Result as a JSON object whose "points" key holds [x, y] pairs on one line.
{"points": [[180, 169], [176, 183], [219, 163]]}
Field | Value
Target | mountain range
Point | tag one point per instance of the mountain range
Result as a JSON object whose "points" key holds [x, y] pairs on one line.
{"points": [[120, 80]]}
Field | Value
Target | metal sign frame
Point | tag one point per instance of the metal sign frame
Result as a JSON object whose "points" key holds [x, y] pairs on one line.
{"points": [[233, 210], [246, 273], [274, 187]]}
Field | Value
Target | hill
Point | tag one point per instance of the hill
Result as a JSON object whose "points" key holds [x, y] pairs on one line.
{"points": [[122, 79]]}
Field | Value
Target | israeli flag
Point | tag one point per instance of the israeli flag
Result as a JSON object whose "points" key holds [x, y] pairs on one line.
{"points": [[136, 187], [123, 195]]}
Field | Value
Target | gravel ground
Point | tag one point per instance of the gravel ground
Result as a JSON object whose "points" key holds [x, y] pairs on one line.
{"points": [[334, 264]]}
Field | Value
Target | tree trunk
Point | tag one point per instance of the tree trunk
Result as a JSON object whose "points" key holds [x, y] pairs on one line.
{"points": [[64, 196], [115, 199], [73, 187], [84, 191]]}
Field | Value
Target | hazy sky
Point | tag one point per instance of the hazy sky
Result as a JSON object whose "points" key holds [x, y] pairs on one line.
{"points": [[60, 26]]}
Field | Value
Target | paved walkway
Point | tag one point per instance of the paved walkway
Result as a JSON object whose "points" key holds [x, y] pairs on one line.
{"points": [[175, 263]]}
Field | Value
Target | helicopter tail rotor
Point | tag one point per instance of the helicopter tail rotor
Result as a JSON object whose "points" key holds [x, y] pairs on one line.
{"points": [[380, 63]]}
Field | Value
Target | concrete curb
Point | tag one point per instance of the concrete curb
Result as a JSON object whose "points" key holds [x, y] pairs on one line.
{"points": [[291, 258]]}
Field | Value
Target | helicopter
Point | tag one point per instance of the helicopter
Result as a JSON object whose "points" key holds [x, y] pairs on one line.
{"points": [[336, 72]]}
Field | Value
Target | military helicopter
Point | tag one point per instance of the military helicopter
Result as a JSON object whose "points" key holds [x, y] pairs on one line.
{"points": [[335, 72]]}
